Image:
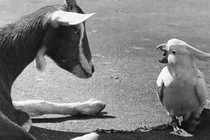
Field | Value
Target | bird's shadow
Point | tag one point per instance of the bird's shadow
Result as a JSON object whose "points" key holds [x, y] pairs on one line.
{"points": [[202, 131]]}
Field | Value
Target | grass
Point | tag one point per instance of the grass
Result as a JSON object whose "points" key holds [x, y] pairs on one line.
{"points": [[122, 35]]}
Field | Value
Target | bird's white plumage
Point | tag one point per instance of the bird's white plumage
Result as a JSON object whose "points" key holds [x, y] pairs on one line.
{"points": [[182, 87]]}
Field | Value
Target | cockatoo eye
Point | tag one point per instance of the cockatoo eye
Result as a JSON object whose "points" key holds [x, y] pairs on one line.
{"points": [[174, 52]]}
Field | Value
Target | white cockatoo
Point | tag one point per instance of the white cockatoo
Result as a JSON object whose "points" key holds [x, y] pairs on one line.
{"points": [[181, 86]]}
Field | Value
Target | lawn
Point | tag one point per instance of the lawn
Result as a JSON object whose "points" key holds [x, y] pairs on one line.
{"points": [[123, 35]]}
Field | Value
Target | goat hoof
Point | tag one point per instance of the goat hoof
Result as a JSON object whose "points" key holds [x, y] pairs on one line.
{"points": [[91, 107], [91, 136], [22, 117], [27, 125], [24, 120]]}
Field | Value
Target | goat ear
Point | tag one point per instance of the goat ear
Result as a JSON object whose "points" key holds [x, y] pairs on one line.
{"points": [[67, 18], [40, 59], [200, 55]]}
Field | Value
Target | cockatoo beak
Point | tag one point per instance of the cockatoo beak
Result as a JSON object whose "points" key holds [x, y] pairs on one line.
{"points": [[162, 47]]}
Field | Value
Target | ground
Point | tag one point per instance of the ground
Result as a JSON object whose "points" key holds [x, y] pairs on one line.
{"points": [[123, 35]]}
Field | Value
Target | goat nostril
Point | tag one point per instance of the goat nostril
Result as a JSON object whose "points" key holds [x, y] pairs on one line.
{"points": [[93, 69]]}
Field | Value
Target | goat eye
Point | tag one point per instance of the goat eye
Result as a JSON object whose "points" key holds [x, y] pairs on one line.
{"points": [[75, 30], [174, 52]]}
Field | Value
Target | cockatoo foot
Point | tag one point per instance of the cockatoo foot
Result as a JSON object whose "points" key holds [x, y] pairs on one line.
{"points": [[177, 130], [193, 123]]}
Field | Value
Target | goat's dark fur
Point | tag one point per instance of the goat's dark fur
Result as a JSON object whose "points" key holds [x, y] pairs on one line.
{"points": [[19, 44]]}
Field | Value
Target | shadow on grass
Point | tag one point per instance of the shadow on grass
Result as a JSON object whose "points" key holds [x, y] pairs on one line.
{"points": [[102, 115], [202, 132], [47, 134]]}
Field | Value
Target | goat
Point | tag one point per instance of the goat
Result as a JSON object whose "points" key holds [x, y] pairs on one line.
{"points": [[57, 31]]}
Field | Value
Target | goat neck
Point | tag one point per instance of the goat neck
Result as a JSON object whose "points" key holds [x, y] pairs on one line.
{"points": [[20, 42]]}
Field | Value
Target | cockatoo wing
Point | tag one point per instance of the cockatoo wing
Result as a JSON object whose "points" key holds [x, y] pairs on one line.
{"points": [[160, 84], [201, 89]]}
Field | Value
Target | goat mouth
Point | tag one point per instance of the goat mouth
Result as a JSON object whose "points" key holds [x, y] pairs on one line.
{"points": [[87, 74], [80, 72]]}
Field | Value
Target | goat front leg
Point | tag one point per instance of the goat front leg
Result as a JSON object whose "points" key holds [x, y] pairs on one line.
{"points": [[17, 116], [12, 131], [40, 107]]}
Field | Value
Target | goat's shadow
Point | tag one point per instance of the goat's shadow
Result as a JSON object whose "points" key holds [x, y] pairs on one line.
{"points": [[102, 115], [45, 134], [202, 131]]}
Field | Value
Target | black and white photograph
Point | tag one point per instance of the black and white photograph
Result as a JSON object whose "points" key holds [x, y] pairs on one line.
{"points": [[104, 70]]}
